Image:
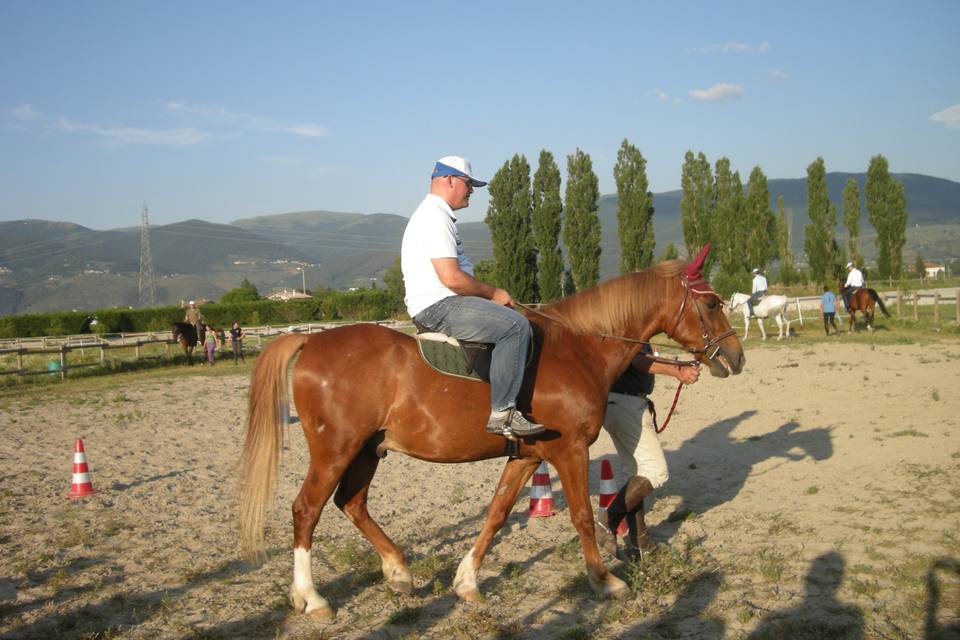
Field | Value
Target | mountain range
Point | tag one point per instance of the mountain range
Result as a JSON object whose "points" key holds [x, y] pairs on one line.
{"points": [[47, 266]]}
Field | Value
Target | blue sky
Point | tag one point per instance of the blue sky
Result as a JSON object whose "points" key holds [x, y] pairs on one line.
{"points": [[226, 110]]}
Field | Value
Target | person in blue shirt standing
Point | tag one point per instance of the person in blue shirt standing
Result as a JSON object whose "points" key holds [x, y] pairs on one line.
{"points": [[828, 307]]}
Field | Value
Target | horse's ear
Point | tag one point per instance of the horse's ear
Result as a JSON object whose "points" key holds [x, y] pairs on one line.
{"points": [[693, 269]]}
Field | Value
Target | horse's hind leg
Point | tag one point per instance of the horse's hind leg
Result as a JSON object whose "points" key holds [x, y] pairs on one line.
{"points": [[514, 477], [351, 498], [317, 487]]}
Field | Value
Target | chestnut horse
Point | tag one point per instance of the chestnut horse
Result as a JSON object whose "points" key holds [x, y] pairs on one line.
{"points": [[863, 299], [364, 389]]}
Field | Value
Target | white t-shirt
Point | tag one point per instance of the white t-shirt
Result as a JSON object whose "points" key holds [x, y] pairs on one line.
{"points": [[854, 278], [430, 233], [759, 283]]}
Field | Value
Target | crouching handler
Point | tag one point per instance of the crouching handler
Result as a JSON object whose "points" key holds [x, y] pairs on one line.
{"points": [[631, 427]]}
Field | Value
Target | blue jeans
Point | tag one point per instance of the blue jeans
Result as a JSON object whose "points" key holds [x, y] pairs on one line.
{"points": [[480, 320]]}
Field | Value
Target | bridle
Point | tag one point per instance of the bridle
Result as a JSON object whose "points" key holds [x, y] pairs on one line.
{"points": [[691, 292]]}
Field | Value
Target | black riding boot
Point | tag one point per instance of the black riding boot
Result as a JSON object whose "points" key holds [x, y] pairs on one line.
{"points": [[628, 502], [639, 542]]}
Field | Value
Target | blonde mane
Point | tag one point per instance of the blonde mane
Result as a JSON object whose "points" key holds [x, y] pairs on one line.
{"points": [[612, 306]]}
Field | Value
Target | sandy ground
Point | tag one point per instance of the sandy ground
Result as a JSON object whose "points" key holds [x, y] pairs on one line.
{"points": [[816, 495]]}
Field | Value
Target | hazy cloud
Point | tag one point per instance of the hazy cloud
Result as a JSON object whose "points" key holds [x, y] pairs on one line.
{"points": [[777, 74], [246, 121], [949, 117], [664, 96], [734, 47], [134, 135], [26, 113], [717, 92]]}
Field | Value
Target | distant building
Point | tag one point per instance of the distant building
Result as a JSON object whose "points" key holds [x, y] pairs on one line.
{"points": [[287, 294], [935, 270]]}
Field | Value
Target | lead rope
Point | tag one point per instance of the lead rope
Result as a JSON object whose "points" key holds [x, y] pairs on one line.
{"points": [[653, 411]]}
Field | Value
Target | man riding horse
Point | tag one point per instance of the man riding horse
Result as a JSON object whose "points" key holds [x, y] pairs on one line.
{"points": [[854, 282], [758, 291]]}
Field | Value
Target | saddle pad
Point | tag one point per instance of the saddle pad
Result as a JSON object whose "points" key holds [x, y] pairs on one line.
{"points": [[444, 354]]}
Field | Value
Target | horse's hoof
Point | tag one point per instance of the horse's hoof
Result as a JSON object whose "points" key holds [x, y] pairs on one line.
{"points": [[620, 591], [322, 614], [401, 586], [469, 595]]}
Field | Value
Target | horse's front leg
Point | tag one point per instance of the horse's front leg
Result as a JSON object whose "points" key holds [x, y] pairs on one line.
{"points": [[746, 324], [572, 469], [763, 332], [514, 477]]}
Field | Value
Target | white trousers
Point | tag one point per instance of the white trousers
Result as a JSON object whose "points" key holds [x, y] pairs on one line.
{"points": [[630, 427]]}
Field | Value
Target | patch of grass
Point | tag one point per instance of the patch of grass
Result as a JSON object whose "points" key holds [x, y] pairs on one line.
{"points": [[780, 524], [869, 588], [924, 471], [771, 565], [405, 616], [680, 515], [813, 490], [912, 433], [576, 633], [431, 566], [458, 494], [935, 395], [575, 587], [570, 550], [744, 616], [670, 569]]}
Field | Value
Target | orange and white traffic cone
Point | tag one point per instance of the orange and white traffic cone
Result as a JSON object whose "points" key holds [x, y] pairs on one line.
{"points": [[541, 497], [82, 486], [608, 491]]}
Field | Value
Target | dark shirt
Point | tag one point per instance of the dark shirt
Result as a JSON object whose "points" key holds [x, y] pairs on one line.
{"points": [[636, 381], [235, 334]]}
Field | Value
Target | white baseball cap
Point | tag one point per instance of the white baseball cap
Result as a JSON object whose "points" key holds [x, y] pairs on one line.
{"points": [[756, 270], [849, 265], [456, 166]]}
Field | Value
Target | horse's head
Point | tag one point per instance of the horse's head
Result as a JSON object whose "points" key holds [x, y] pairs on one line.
{"points": [[701, 325]]}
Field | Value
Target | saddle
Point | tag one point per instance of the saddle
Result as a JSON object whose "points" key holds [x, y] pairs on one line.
{"points": [[458, 358]]}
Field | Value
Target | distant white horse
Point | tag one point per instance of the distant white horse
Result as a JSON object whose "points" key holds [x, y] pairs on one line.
{"points": [[775, 306]]}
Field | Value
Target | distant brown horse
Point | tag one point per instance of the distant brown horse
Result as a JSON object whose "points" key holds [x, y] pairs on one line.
{"points": [[863, 299], [186, 335], [363, 389]]}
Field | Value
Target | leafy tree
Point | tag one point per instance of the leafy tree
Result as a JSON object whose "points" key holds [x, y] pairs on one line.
{"points": [[696, 204], [818, 239], [393, 280], [486, 271], [246, 292], [508, 217], [634, 209], [670, 253], [728, 219], [761, 240], [581, 229], [887, 208], [546, 222], [920, 266], [788, 272], [851, 220]]}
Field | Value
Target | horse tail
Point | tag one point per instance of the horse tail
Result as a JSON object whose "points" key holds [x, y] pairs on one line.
{"points": [[261, 449], [876, 297]]}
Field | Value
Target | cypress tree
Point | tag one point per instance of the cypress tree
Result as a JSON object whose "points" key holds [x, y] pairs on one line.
{"points": [[728, 219], [761, 238], [696, 204], [887, 209], [581, 229], [508, 217], [851, 220], [785, 251], [818, 239], [634, 209], [546, 219]]}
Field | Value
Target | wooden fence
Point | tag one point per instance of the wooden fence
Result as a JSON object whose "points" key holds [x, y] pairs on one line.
{"points": [[62, 346]]}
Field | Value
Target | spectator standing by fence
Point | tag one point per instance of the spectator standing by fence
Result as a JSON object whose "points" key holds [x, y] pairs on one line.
{"points": [[236, 341], [828, 307], [210, 344]]}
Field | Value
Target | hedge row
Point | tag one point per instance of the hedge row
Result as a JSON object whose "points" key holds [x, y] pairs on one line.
{"points": [[366, 304]]}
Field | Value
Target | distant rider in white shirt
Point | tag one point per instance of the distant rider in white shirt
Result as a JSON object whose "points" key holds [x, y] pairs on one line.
{"points": [[854, 282], [759, 290], [443, 295]]}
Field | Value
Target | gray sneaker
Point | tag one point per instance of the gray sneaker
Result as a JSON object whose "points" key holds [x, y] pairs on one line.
{"points": [[511, 422]]}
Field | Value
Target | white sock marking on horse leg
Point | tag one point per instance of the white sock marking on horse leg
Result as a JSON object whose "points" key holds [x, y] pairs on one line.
{"points": [[302, 588], [466, 579]]}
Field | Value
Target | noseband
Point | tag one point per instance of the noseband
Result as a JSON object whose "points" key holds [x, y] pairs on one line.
{"points": [[691, 292]]}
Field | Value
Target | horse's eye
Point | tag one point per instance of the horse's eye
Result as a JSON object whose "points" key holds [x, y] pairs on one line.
{"points": [[712, 303]]}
